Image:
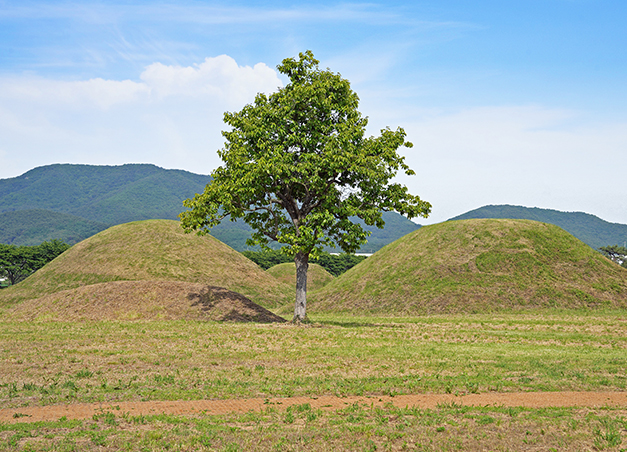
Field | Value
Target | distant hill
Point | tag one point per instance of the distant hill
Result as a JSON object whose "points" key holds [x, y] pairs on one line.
{"points": [[477, 266], [34, 226], [588, 228], [105, 194], [73, 202]]}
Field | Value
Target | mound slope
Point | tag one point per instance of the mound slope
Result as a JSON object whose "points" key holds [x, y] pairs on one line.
{"points": [[478, 266], [144, 300], [317, 276], [153, 250]]}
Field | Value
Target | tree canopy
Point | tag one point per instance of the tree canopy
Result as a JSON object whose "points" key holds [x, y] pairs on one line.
{"points": [[616, 253], [19, 262], [298, 168]]}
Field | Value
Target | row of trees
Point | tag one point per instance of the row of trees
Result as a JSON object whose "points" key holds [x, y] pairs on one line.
{"points": [[19, 262], [334, 264], [616, 253]]}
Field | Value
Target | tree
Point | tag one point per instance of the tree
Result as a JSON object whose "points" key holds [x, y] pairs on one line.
{"points": [[297, 168], [19, 262], [616, 253]]}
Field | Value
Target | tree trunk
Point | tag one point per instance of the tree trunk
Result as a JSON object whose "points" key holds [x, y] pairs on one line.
{"points": [[302, 264]]}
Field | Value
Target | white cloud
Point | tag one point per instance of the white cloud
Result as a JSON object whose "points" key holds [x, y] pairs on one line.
{"points": [[524, 155], [218, 77], [171, 117]]}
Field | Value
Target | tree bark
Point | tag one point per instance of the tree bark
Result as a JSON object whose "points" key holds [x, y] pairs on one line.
{"points": [[302, 265]]}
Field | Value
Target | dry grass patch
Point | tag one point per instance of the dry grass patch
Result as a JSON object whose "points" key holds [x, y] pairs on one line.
{"points": [[154, 250]]}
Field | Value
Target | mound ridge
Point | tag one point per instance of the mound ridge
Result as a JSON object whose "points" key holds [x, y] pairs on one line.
{"points": [[152, 250], [588, 228], [144, 300], [478, 265]]}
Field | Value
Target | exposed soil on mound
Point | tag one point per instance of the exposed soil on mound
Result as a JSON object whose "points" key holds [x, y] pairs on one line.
{"points": [[218, 407], [144, 300]]}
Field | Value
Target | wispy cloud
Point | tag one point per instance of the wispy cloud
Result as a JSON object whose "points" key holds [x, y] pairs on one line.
{"points": [[199, 13]]}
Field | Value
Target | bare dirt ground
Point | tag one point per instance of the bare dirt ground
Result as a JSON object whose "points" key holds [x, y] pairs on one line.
{"points": [[217, 407]]}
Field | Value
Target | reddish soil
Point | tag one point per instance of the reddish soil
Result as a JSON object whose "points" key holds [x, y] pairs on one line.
{"points": [[183, 407]]}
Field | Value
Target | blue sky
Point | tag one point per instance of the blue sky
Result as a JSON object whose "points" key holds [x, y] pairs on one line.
{"points": [[506, 102]]}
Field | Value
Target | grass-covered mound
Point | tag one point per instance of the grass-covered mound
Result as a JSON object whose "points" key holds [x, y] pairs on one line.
{"points": [[478, 266], [317, 276], [143, 300], [153, 250]]}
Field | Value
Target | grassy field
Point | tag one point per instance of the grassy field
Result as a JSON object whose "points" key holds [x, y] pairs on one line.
{"points": [[53, 362], [355, 428]]}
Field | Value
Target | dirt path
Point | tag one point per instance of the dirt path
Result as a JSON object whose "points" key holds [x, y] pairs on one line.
{"points": [[522, 399]]}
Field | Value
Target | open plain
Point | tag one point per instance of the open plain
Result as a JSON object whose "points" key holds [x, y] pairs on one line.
{"points": [[371, 364], [471, 335]]}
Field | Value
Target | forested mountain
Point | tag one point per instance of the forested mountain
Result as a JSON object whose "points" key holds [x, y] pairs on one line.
{"points": [[34, 226], [588, 228], [72, 202], [106, 194]]}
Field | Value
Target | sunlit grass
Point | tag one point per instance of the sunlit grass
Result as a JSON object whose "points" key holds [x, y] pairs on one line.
{"points": [[356, 427], [47, 363]]}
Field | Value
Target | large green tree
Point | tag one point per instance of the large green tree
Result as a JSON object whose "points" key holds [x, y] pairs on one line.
{"points": [[298, 168]]}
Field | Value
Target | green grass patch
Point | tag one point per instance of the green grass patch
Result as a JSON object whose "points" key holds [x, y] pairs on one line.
{"points": [[357, 427], [51, 362]]}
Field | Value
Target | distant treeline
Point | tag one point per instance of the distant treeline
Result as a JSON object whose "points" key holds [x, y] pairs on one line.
{"points": [[334, 264], [19, 262], [616, 253]]}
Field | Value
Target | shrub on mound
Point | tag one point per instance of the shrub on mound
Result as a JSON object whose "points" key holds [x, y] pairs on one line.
{"points": [[478, 266], [156, 250]]}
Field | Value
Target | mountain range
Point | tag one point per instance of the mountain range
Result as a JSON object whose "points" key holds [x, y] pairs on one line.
{"points": [[73, 202]]}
